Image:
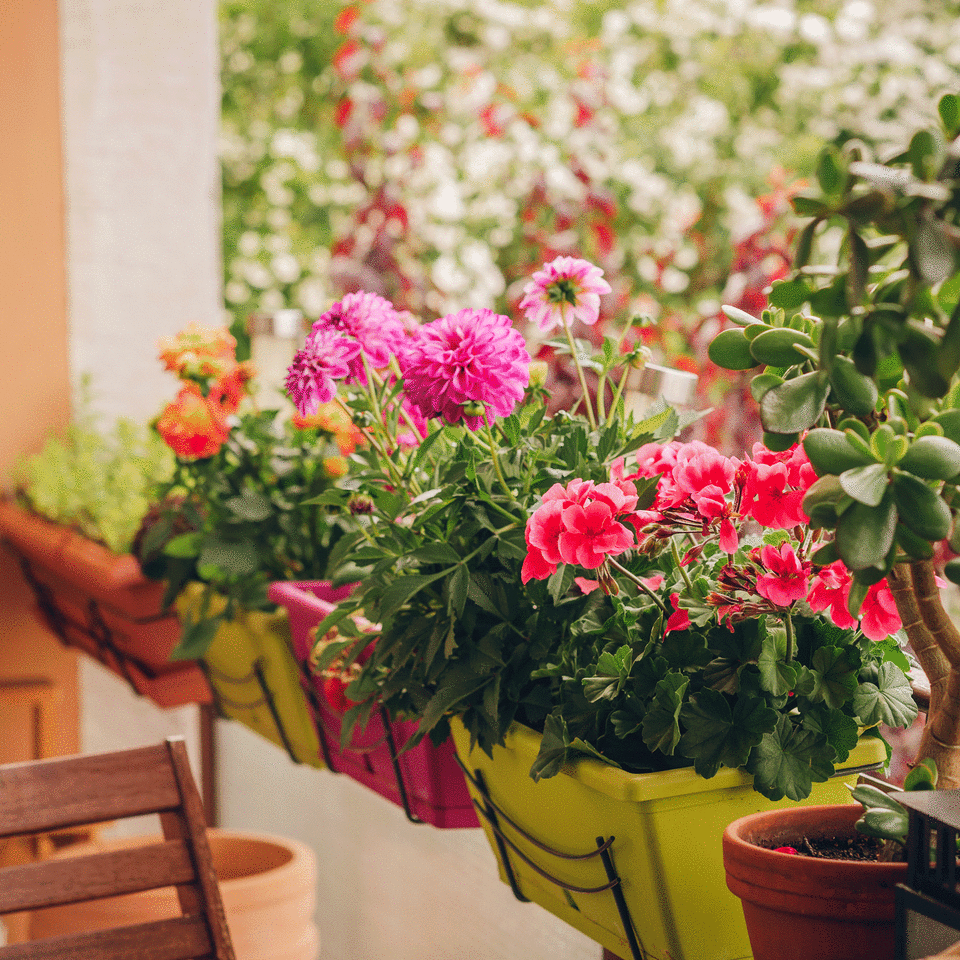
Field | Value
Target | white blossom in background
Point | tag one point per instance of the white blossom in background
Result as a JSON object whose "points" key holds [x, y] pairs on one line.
{"points": [[443, 148]]}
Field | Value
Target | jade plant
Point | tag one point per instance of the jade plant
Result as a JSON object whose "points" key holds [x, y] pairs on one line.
{"points": [[857, 357]]}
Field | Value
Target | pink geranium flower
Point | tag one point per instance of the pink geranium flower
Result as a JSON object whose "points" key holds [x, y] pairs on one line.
{"points": [[464, 366], [830, 590], [323, 360], [878, 614], [592, 533], [565, 290], [785, 579], [679, 619], [373, 323]]}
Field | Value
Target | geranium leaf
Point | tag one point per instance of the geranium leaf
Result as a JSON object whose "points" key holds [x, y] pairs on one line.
{"points": [[889, 700], [777, 676], [661, 727], [835, 673], [716, 734], [840, 729], [788, 761]]}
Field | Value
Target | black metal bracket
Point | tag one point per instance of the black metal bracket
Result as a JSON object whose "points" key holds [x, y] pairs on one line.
{"points": [[388, 739], [95, 628], [266, 699], [494, 815]]}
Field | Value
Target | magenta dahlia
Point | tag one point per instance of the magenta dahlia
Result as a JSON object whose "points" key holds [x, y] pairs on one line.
{"points": [[324, 359], [565, 290], [465, 365], [373, 323]]}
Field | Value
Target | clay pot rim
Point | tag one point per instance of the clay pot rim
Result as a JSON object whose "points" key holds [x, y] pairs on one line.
{"points": [[739, 838]]}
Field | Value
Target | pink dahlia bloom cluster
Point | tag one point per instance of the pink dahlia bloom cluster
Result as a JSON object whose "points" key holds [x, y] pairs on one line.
{"points": [[324, 359], [565, 290], [372, 323], [583, 524], [465, 366]]}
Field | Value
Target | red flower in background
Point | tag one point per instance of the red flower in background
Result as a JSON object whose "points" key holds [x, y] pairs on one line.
{"points": [[193, 426]]}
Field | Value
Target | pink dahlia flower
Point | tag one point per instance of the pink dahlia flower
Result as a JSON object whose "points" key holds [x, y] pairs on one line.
{"points": [[565, 290], [324, 359], [464, 366], [373, 323]]}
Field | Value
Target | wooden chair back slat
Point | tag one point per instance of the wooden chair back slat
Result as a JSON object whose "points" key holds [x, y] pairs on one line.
{"points": [[180, 938], [51, 794], [74, 879], [102, 787]]}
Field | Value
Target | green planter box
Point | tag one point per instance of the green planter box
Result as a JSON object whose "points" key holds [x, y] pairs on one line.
{"points": [[255, 678], [662, 833]]}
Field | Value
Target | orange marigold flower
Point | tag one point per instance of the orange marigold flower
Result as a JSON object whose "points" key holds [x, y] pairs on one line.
{"points": [[203, 351], [335, 467], [193, 426], [333, 419]]}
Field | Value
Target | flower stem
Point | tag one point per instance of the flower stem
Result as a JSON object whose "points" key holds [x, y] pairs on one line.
{"points": [[583, 378], [633, 578], [788, 623], [495, 457], [680, 567]]}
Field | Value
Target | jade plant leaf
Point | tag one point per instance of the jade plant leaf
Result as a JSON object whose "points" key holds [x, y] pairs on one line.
{"points": [[796, 404]]}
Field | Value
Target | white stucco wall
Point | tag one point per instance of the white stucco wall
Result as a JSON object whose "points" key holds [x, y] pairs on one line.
{"points": [[141, 100], [140, 97]]}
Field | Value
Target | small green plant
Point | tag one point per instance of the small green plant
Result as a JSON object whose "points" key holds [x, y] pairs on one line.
{"points": [[883, 815], [95, 480]]}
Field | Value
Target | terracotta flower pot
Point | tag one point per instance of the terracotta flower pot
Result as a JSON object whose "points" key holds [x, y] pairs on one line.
{"points": [[268, 886], [102, 603], [799, 907]]}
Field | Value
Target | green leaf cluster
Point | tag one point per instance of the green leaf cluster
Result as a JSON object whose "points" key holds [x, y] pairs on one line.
{"points": [[243, 518], [859, 350], [732, 699]]}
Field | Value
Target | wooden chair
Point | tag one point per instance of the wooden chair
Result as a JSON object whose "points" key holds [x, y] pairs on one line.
{"points": [[45, 795]]}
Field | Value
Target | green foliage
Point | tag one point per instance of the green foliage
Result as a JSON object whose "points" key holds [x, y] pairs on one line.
{"points": [[243, 518], [883, 815], [96, 480]]}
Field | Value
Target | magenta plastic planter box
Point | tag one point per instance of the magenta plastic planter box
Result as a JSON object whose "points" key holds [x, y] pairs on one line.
{"points": [[426, 780]]}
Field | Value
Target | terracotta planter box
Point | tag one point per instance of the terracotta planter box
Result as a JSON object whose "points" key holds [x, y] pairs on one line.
{"points": [[101, 603], [798, 907], [634, 861], [426, 781]]}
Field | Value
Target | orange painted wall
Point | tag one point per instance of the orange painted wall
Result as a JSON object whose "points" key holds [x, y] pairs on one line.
{"points": [[34, 350]]}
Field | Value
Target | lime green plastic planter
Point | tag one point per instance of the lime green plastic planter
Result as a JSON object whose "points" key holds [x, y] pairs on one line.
{"points": [[666, 831], [255, 678]]}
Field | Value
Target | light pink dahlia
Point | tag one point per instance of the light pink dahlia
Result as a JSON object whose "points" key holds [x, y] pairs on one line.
{"points": [[312, 377], [464, 360], [373, 323], [565, 290]]}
